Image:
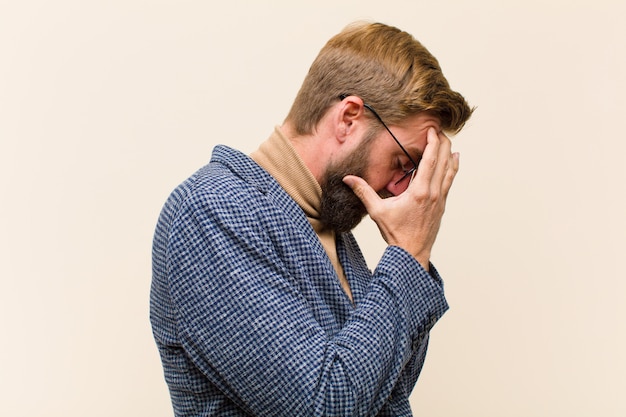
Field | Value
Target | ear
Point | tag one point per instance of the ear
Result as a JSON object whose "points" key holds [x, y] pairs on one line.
{"points": [[349, 117]]}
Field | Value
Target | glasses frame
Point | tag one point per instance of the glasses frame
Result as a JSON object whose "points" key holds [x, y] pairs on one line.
{"points": [[411, 172]]}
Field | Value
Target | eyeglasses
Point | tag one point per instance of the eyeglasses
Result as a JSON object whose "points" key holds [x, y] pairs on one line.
{"points": [[411, 172]]}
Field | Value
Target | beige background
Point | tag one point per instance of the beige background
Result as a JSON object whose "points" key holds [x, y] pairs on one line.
{"points": [[106, 105]]}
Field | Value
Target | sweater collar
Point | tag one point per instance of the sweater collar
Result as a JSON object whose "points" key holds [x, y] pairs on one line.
{"points": [[278, 157]]}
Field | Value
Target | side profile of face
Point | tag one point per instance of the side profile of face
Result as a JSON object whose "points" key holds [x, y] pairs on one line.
{"points": [[381, 162]]}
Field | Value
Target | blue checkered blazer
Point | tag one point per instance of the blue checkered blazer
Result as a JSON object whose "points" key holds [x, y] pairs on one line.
{"points": [[249, 316]]}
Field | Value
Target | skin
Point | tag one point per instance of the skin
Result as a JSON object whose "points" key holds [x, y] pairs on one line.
{"points": [[411, 214]]}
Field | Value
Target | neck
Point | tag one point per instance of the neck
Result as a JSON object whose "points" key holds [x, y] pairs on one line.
{"points": [[310, 148]]}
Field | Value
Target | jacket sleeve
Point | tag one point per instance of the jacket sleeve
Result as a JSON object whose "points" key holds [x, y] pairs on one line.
{"points": [[251, 331]]}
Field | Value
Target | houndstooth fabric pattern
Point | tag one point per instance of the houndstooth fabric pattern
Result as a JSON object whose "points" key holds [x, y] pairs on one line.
{"points": [[249, 316]]}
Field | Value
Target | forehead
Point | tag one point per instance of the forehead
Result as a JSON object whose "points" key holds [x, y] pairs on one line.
{"points": [[413, 130], [421, 121]]}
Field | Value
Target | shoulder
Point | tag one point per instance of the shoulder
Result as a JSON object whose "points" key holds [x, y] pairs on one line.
{"points": [[230, 174], [231, 186]]}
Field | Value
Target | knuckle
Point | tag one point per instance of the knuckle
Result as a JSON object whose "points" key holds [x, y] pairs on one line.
{"points": [[430, 163], [435, 195], [428, 196], [358, 191]]}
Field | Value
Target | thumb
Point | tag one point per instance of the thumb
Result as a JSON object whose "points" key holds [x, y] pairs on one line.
{"points": [[363, 191]]}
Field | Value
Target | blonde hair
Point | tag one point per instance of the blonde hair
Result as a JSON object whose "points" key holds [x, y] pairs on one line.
{"points": [[388, 68]]}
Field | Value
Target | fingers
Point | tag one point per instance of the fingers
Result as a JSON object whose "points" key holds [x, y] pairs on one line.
{"points": [[448, 166], [438, 165], [443, 162], [454, 168], [428, 163], [362, 189]]}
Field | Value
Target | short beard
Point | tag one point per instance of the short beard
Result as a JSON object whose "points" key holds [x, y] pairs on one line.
{"points": [[341, 210]]}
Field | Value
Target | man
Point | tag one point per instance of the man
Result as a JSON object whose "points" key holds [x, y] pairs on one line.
{"points": [[261, 302]]}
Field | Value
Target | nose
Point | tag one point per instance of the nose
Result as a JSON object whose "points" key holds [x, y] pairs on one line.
{"points": [[396, 188]]}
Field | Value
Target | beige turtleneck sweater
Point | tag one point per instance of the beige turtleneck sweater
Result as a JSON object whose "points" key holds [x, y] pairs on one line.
{"points": [[278, 157]]}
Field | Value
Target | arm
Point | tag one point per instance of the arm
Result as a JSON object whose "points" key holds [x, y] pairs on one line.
{"points": [[246, 322]]}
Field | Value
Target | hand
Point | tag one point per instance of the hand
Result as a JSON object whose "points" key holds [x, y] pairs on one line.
{"points": [[411, 220]]}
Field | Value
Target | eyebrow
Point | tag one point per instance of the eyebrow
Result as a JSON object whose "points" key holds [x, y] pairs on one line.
{"points": [[414, 150]]}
